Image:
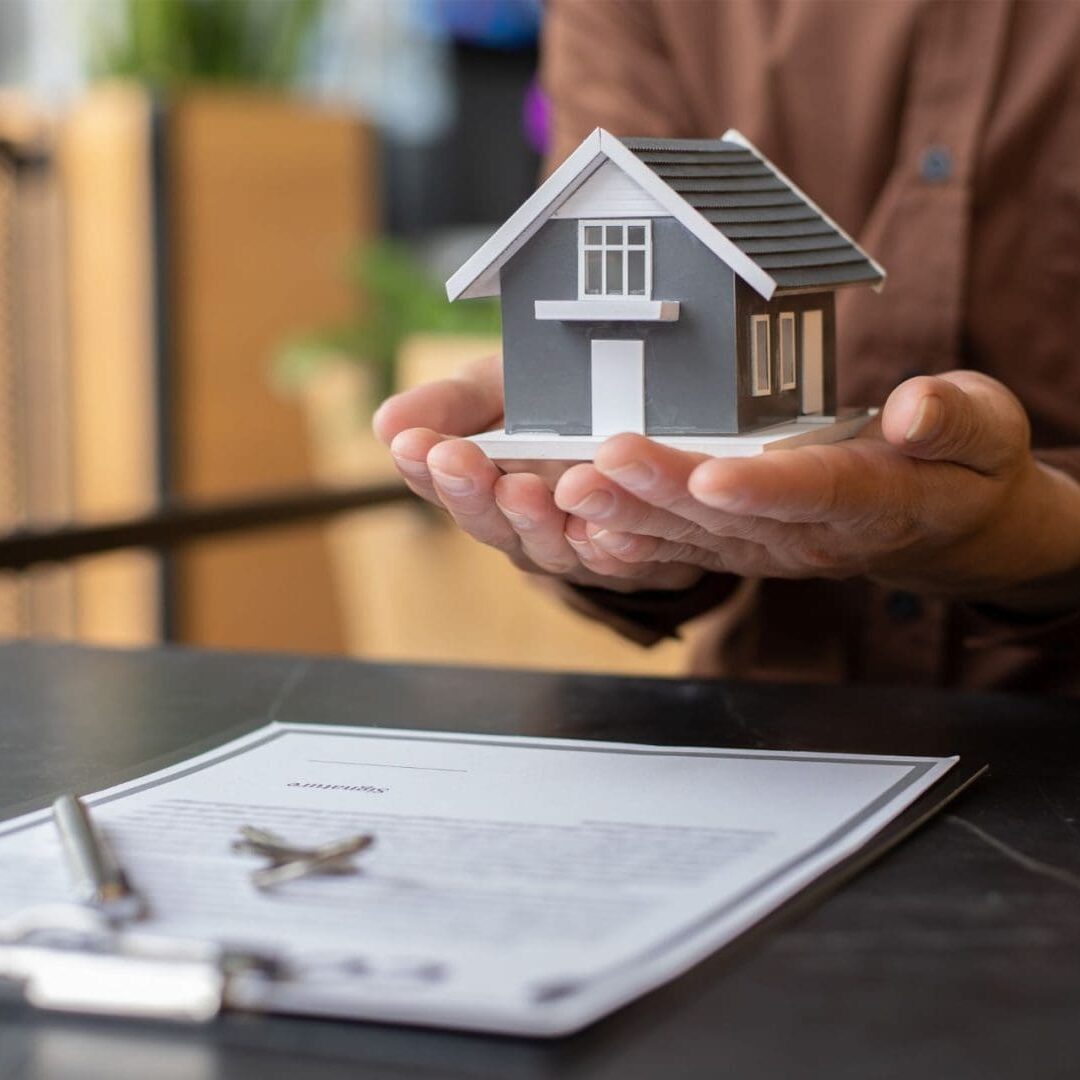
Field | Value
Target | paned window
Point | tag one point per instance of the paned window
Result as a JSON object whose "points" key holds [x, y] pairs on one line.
{"points": [[787, 350], [615, 259], [760, 356]]}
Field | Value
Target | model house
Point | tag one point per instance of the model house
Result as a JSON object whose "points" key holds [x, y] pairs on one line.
{"points": [[683, 288]]}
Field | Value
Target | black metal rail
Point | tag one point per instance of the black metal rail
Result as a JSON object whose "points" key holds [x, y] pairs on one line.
{"points": [[173, 526]]}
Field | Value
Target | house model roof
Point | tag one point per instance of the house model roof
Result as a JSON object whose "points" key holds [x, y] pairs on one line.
{"points": [[724, 191]]}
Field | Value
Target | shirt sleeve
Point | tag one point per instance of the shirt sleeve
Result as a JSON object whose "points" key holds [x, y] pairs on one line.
{"points": [[1066, 458], [648, 616], [988, 626]]}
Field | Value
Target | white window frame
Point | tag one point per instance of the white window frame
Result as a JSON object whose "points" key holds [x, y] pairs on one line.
{"points": [[604, 247], [757, 367], [788, 374]]}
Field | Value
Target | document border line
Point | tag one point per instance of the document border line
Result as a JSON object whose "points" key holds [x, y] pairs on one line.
{"points": [[522, 742]]}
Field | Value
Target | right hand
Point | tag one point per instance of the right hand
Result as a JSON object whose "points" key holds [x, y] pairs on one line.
{"points": [[510, 508]]}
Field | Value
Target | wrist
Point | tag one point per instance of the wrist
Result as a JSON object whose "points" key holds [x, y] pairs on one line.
{"points": [[1038, 568]]}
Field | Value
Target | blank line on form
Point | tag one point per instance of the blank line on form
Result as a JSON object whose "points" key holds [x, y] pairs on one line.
{"points": [[382, 765]]}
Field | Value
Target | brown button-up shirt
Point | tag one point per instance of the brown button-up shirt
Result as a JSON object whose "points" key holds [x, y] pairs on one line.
{"points": [[945, 136]]}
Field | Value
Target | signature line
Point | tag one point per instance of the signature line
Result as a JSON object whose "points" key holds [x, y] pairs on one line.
{"points": [[380, 765]]}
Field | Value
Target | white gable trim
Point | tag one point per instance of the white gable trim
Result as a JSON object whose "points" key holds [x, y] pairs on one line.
{"points": [[731, 135], [479, 276]]}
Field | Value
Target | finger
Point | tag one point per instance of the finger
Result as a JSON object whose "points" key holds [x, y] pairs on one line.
{"points": [[548, 471], [963, 417], [410, 449], [470, 402], [845, 482], [649, 495], [587, 493], [623, 576], [593, 558], [526, 503], [731, 556], [464, 479]]}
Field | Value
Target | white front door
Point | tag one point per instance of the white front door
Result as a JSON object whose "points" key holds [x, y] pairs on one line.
{"points": [[618, 387], [813, 363]]}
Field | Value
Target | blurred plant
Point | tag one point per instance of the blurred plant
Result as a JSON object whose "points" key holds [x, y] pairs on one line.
{"points": [[397, 297], [168, 42]]}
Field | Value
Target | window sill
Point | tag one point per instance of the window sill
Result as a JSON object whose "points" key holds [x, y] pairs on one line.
{"points": [[608, 309]]}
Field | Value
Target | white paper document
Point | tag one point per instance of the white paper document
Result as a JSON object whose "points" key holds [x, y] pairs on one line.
{"points": [[517, 885]]}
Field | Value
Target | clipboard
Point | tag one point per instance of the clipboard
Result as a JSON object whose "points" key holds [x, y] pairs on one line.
{"points": [[69, 958]]}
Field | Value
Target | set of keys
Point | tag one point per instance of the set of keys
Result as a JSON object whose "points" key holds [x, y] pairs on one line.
{"points": [[102, 883], [289, 862]]}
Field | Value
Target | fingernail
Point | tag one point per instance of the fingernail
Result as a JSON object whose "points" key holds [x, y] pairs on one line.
{"points": [[928, 419], [597, 504], [455, 485], [612, 541], [704, 487], [721, 499], [519, 521], [411, 465], [635, 475], [584, 548]]}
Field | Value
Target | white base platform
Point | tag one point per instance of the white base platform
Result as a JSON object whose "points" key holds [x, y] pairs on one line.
{"points": [[545, 446]]}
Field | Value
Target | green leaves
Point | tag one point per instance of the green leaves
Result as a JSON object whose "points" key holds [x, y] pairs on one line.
{"points": [[165, 43], [396, 297]]}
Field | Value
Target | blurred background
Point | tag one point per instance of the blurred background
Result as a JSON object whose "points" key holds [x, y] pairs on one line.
{"points": [[224, 226]]}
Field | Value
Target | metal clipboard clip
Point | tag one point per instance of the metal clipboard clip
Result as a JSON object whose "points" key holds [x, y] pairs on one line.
{"points": [[67, 958], [86, 957]]}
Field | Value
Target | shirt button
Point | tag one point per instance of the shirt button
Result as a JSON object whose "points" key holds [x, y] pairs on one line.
{"points": [[937, 165], [903, 606]]}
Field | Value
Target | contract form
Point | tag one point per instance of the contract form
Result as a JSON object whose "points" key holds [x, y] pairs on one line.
{"points": [[518, 885]]}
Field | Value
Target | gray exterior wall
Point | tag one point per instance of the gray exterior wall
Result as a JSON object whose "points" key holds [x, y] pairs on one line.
{"points": [[755, 412], [690, 368], [545, 364]]}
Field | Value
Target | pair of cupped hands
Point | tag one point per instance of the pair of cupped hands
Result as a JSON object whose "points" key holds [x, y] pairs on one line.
{"points": [[939, 494]]}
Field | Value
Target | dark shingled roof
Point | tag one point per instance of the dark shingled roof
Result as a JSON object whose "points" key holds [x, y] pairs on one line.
{"points": [[758, 211]]}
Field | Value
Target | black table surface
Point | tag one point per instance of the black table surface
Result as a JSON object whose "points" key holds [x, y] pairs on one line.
{"points": [[955, 955]]}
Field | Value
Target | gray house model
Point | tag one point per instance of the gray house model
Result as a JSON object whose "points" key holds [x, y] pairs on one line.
{"points": [[682, 288]]}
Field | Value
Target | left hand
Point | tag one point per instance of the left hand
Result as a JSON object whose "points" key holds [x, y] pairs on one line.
{"points": [[940, 494]]}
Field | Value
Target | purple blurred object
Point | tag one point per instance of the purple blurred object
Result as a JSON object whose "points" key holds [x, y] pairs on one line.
{"points": [[536, 118]]}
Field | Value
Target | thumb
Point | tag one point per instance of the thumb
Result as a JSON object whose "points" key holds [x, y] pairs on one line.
{"points": [[962, 416]]}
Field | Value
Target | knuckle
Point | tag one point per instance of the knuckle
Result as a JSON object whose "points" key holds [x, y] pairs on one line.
{"points": [[683, 531], [817, 557], [961, 431], [638, 549], [827, 489], [902, 524], [679, 553], [470, 507], [733, 527], [633, 516], [816, 547]]}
